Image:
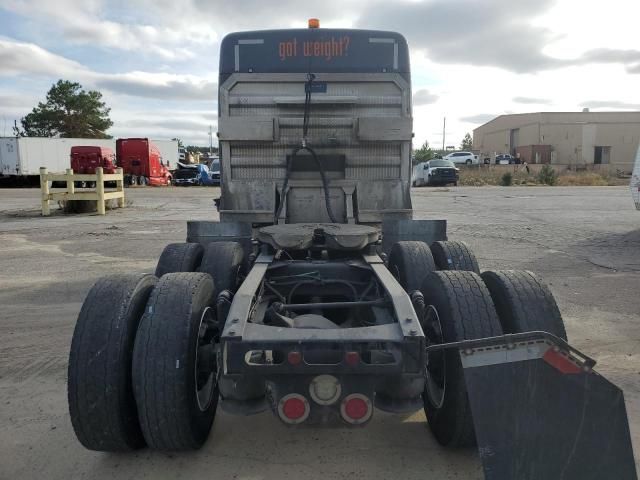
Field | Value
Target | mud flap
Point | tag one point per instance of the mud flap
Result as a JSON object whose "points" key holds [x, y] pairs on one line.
{"points": [[541, 412]]}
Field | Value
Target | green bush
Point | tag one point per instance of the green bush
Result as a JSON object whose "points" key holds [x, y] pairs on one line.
{"points": [[506, 180], [547, 175]]}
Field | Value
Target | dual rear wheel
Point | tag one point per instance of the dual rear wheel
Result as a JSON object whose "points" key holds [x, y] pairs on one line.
{"points": [[462, 304], [145, 372]]}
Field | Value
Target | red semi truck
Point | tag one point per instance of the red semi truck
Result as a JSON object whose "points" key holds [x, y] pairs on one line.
{"points": [[85, 159], [141, 162]]}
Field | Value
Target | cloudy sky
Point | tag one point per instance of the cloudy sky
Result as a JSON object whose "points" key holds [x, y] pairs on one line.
{"points": [[156, 60]]}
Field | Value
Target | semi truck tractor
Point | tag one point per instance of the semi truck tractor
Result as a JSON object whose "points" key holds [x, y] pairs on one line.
{"points": [[85, 159], [319, 298], [141, 162]]}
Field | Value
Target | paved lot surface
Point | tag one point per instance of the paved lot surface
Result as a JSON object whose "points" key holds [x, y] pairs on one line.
{"points": [[585, 242]]}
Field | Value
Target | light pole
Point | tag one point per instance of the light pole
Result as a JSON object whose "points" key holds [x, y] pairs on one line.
{"points": [[444, 131], [210, 141]]}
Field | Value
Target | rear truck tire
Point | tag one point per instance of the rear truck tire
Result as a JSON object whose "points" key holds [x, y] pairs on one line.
{"points": [[224, 261], [524, 303], [174, 363], [179, 257], [452, 255], [410, 262], [100, 392], [458, 307]]}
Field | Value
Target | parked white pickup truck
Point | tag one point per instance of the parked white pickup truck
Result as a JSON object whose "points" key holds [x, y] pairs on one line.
{"points": [[462, 158]]}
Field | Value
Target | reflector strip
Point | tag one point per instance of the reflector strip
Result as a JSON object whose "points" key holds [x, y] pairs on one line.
{"points": [[560, 362], [505, 353]]}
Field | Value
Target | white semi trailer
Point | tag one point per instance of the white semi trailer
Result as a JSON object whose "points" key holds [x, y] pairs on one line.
{"points": [[169, 151], [24, 156], [21, 158]]}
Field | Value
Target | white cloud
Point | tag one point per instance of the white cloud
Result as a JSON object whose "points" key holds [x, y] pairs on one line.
{"points": [[611, 105], [532, 100], [470, 59], [18, 58], [424, 97], [84, 23], [165, 86]]}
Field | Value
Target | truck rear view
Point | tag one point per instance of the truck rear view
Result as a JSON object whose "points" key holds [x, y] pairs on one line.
{"points": [[319, 298]]}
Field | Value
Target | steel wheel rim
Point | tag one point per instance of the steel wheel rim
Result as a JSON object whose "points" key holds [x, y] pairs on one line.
{"points": [[205, 378], [435, 385]]}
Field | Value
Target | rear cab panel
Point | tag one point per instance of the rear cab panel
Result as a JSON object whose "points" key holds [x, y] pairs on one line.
{"points": [[360, 123]]}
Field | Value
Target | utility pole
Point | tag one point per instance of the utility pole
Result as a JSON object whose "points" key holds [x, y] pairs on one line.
{"points": [[210, 141], [444, 131]]}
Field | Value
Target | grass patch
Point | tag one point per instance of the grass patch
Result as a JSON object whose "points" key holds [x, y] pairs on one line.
{"points": [[506, 180], [548, 175], [473, 177], [583, 179]]}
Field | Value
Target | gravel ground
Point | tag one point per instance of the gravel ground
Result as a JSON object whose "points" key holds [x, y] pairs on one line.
{"points": [[585, 242]]}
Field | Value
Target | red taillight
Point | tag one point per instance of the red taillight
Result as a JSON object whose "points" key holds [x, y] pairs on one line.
{"points": [[293, 408], [294, 358], [352, 358], [356, 408]]}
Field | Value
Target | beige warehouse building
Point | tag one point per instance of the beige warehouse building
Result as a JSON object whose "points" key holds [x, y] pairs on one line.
{"points": [[576, 139]]}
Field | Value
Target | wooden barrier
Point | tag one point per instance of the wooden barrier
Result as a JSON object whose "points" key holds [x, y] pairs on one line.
{"points": [[99, 195]]}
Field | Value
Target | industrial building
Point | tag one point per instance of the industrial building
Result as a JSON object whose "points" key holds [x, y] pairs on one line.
{"points": [[575, 139]]}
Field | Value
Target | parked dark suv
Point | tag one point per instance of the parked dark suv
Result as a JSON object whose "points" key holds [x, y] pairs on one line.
{"points": [[505, 158]]}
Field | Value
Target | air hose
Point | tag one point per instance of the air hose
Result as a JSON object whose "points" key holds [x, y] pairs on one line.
{"points": [[303, 147]]}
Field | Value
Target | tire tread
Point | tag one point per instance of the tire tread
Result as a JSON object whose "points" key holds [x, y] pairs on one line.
{"points": [[471, 315], [161, 354], [524, 303], [410, 261], [179, 257], [101, 403], [454, 255]]}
